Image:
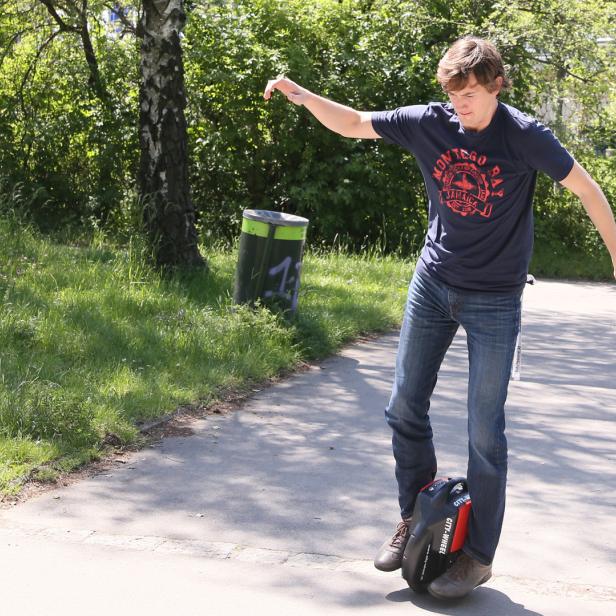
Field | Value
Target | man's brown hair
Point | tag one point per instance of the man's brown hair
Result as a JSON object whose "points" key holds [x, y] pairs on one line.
{"points": [[475, 55]]}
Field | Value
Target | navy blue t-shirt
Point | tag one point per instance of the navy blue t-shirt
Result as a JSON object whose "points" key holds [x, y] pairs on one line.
{"points": [[480, 187]]}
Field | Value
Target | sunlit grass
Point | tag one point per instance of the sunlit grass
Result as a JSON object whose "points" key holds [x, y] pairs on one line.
{"points": [[92, 341]]}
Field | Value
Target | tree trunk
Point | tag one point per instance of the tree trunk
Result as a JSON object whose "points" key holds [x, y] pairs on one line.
{"points": [[169, 215]]}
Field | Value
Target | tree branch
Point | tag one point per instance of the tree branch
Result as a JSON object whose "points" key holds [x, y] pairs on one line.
{"points": [[79, 10], [32, 67], [95, 81], [559, 67], [51, 9], [129, 26]]}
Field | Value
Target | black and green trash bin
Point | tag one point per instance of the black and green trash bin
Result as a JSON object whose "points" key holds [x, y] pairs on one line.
{"points": [[270, 259]]}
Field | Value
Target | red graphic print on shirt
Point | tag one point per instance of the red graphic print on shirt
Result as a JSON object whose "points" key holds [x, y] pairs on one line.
{"points": [[467, 182]]}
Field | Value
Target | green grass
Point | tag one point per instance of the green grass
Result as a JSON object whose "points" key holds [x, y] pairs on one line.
{"points": [[556, 261], [92, 342]]}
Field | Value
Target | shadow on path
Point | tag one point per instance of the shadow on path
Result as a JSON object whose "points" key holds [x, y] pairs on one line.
{"points": [[482, 602]]}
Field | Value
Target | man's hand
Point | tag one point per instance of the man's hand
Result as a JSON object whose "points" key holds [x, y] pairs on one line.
{"points": [[338, 118], [296, 94]]}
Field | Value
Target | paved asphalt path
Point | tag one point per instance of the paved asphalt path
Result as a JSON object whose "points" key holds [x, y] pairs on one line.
{"points": [[278, 507]]}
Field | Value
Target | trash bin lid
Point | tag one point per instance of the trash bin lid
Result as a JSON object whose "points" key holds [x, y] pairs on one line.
{"points": [[276, 218]]}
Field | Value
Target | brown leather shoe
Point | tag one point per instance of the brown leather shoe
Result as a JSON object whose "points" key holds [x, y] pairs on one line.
{"points": [[389, 556], [464, 575]]}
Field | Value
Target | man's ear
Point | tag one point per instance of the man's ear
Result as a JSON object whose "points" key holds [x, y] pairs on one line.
{"points": [[498, 84]]}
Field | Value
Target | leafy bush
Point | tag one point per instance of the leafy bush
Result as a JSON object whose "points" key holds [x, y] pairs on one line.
{"points": [[566, 242], [73, 158], [559, 215], [250, 154]]}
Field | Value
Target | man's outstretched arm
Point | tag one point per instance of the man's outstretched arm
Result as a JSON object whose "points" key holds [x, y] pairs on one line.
{"points": [[595, 203], [341, 119]]}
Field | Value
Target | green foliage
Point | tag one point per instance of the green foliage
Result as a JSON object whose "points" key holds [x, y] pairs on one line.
{"points": [[69, 157], [566, 242], [246, 153], [567, 57], [73, 154]]}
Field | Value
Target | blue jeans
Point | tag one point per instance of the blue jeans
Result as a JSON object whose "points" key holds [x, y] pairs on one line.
{"points": [[432, 316]]}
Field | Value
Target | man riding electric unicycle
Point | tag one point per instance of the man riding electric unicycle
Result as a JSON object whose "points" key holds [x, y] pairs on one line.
{"points": [[479, 158]]}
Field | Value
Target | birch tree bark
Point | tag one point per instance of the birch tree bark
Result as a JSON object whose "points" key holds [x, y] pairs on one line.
{"points": [[169, 215]]}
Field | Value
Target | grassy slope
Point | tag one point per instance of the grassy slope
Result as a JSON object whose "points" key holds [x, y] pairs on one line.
{"points": [[92, 342]]}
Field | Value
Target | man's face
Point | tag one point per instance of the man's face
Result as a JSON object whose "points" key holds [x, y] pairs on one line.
{"points": [[474, 105]]}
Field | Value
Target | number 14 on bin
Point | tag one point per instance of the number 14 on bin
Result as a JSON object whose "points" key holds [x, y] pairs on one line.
{"points": [[284, 268]]}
